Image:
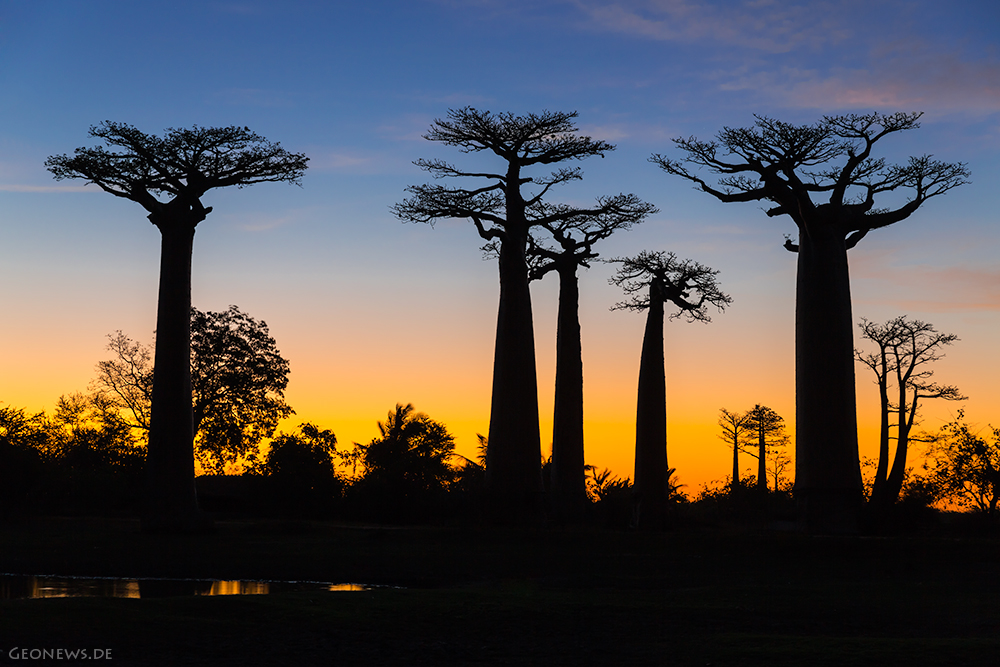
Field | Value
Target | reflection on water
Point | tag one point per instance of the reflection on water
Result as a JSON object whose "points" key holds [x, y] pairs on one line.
{"points": [[23, 586]]}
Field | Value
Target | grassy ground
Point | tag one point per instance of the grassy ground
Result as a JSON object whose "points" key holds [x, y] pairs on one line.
{"points": [[552, 597]]}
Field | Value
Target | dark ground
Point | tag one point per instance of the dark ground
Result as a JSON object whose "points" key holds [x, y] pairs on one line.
{"points": [[518, 597]]}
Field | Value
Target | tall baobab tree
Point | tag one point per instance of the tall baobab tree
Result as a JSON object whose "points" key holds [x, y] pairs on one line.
{"points": [[505, 207], [905, 347], [653, 279], [168, 176], [734, 433], [574, 247], [767, 429], [795, 167]]}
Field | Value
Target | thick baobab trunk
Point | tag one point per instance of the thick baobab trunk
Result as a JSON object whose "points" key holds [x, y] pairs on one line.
{"points": [[513, 458], [568, 485], [171, 503], [650, 488], [827, 472]]}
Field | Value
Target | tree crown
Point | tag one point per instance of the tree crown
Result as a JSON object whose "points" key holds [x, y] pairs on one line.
{"points": [[790, 164], [575, 237], [184, 163], [690, 286], [521, 141], [905, 348]]}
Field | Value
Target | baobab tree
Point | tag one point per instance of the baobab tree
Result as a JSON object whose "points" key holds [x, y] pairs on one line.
{"points": [[574, 248], [168, 176], [767, 430], [505, 210], [905, 347], [793, 167], [653, 279], [734, 433]]}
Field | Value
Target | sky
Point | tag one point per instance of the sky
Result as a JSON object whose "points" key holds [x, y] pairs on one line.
{"points": [[372, 312]]}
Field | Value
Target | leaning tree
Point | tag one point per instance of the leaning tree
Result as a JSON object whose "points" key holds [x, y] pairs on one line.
{"points": [[653, 279], [905, 348], [824, 178], [504, 208], [574, 247], [168, 176]]}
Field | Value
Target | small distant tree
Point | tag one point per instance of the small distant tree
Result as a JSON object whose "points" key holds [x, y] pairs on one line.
{"points": [[734, 433], [503, 209], [778, 461], [904, 349], [767, 431], [573, 248], [824, 178], [965, 466], [168, 176], [653, 279]]}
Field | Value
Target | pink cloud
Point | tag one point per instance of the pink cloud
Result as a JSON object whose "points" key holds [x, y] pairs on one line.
{"points": [[931, 288], [765, 25]]}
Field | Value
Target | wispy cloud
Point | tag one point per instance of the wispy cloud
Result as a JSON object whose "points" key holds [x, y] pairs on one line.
{"points": [[339, 161], [14, 187], [253, 97], [764, 25], [814, 55], [933, 288], [260, 223], [941, 83]]}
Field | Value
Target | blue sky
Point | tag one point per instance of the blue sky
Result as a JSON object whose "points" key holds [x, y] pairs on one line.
{"points": [[371, 311]]}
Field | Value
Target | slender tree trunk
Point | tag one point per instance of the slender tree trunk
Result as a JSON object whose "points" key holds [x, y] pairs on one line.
{"points": [[761, 460], [827, 471], [878, 485], [513, 459], [734, 482], [650, 486], [894, 483], [568, 485], [171, 503]]}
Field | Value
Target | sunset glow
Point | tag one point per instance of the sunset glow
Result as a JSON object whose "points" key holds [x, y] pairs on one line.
{"points": [[371, 312]]}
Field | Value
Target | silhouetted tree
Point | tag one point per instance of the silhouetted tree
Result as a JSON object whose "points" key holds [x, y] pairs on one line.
{"points": [[22, 438], [965, 467], [181, 167], [502, 210], [653, 279], [777, 462], [574, 239], [301, 470], [767, 430], [905, 347], [238, 380], [413, 451], [407, 468], [734, 433], [791, 165]]}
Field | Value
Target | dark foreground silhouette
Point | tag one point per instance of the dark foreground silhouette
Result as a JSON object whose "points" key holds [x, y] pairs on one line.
{"points": [[530, 597]]}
